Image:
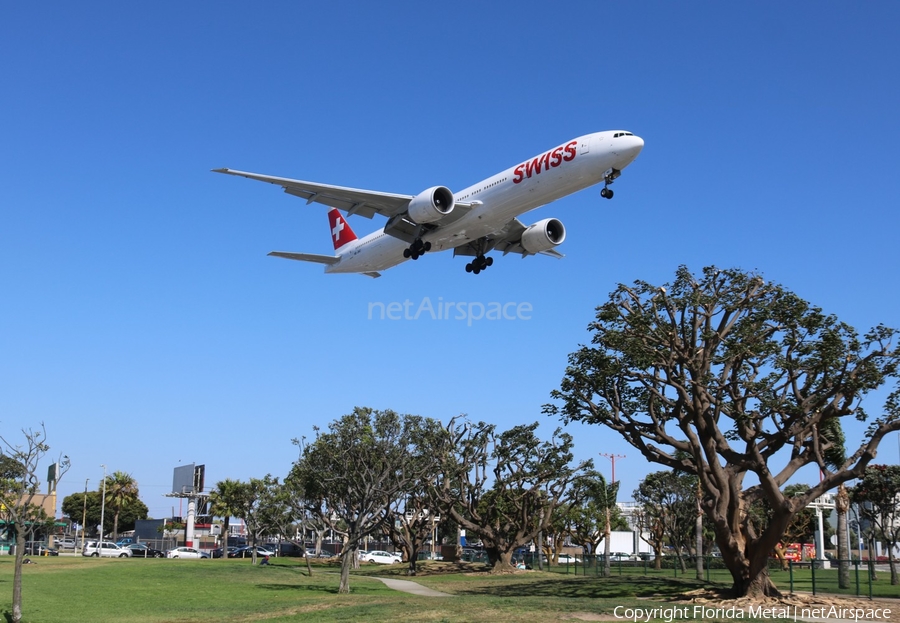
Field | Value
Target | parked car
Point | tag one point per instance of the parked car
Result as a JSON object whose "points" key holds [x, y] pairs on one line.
{"points": [[186, 552], [140, 550], [622, 557], [474, 555], [247, 552], [217, 553], [383, 558], [65, 543], [36, 548], [568, 559], [107, 549], [287, 549], [125, 540]]}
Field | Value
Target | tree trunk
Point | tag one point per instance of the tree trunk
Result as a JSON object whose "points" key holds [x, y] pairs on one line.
{"points": [[606, 572], [17, 576], [759, 586], [698, 529], [503, 563], [346, 563], [224, 535], [842, 505], [413, 553], [680, 555]]}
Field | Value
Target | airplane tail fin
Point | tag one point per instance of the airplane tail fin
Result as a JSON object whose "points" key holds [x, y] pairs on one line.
{"points": [[341, 234]]}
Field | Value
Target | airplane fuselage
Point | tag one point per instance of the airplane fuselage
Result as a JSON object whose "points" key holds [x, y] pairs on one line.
{"points": [[566, 169]]}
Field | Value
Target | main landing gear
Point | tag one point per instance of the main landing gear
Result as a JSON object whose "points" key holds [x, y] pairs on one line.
{"points": [[479, 264], [416, 249], [608, 179]]}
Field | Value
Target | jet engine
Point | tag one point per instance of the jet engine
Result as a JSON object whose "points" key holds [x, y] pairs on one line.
{"points": [[431, 205], [543, 235]]}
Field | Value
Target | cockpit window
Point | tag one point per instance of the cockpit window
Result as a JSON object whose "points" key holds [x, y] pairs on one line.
{"points": [[618, 134]]}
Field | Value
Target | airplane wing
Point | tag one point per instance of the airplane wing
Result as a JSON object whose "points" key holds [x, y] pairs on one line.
{"points": [[507, 240], [366, 203]]}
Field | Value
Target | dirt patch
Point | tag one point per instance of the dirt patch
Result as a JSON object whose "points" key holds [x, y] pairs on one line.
{"points": [[713, 598], [589, 616]]}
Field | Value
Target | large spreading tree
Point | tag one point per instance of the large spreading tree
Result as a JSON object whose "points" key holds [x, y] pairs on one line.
{"points": [[878, 497], [503, 487], [352, 473], [739, 382]]}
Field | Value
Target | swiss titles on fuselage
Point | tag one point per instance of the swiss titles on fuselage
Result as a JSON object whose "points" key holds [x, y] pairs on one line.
{"points": [[546, 161]]}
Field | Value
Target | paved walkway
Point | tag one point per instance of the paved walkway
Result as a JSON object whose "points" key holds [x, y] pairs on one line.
{"points": [[411, 587]]}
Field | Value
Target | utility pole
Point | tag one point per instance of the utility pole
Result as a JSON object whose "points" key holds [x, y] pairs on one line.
{"points": [[84, 513], [608, 530], [612, 458], [102, 508]]}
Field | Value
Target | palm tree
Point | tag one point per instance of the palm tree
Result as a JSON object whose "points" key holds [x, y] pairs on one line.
{"points": [[121, 490], [224, 502]]}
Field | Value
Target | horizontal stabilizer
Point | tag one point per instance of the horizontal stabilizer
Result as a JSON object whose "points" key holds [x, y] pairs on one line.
{"points": [[308, 257]]}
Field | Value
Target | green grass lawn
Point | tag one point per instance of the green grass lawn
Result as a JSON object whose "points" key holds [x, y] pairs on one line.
{"points": [[139, 591]]}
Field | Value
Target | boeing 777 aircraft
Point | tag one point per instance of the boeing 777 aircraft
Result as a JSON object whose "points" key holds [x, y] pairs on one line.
{"points": [[472, 222]]}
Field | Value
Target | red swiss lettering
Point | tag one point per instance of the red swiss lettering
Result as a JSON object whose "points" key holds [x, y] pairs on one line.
{"points": [[556, 157], [545, 161]]}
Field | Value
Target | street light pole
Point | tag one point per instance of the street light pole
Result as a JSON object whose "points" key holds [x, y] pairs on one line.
{"points": [[103, 504], [84, 513]]}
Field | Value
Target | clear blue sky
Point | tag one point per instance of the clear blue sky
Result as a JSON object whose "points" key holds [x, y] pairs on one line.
{"points": [[142, 322]]}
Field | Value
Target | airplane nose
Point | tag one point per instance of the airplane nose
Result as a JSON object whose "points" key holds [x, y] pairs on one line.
{"points": [[637, 145], [629, 147]]}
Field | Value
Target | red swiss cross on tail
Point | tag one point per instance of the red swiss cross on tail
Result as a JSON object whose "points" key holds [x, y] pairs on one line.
{"points": [[341, 233]]}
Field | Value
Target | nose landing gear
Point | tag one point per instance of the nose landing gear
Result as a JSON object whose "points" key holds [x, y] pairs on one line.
{"points": [[417, 249], [608, 179]]}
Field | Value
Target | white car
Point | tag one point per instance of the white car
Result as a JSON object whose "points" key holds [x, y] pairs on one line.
{"points": [[383, 558], [186, 552], [568, 559], [107, 549], [622, 557]]}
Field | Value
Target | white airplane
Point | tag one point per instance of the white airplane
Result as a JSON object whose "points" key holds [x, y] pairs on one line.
{"points": [[472, 222]]}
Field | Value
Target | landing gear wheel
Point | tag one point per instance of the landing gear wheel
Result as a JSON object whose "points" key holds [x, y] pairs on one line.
{"points": [[417, 249], [479, 264], [606, 193]]}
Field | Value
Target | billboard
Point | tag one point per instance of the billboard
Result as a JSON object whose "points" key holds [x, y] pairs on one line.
{"points": [[187, 479], [183, 479]]}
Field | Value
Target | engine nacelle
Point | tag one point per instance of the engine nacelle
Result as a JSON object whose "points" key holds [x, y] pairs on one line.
{"points": [[543, 235], [431, 205]]}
